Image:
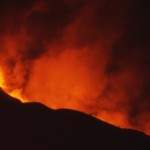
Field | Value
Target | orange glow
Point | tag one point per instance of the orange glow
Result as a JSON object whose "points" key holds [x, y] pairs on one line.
{"points": [[17, 94], [1, 79], [14, 93], [69, 81], [78, 58]]}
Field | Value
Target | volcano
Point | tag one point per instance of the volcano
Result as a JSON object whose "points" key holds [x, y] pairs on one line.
{"points": [[33, 126], [91, 56]]}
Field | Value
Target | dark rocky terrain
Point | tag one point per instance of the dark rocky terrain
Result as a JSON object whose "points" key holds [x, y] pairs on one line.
{"points": [[33, 126]]}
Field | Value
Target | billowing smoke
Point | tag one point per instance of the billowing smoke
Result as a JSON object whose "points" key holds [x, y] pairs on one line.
{"points": [[87, 55]]}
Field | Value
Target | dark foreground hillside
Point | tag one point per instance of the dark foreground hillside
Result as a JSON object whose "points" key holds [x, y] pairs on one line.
{"points": [[32, 126]]}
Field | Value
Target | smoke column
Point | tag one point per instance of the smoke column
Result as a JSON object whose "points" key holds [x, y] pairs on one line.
{"points": [[87, 55]]}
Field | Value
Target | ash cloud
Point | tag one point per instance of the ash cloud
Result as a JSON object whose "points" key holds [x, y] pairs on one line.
{"points": [[109, 40]]}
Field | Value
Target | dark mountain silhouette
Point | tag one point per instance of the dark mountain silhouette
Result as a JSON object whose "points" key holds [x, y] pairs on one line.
{"points": [[33, 126]]}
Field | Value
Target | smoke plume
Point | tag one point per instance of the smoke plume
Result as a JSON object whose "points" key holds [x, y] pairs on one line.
{"points": [[87, 55]]}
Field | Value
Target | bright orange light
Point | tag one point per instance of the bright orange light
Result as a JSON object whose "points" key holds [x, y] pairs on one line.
{"points": [[14, 93], [1, 79]]}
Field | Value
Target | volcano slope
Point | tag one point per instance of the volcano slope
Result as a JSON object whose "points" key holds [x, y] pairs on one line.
{"points": [[33, 126]]}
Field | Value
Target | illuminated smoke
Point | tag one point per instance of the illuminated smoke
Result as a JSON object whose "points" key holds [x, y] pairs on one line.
{"points": [[91, 56]]}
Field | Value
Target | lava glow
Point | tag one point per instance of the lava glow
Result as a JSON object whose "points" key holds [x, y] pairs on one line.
{"points": [[13, 93], [1, 79], [91, 56]]}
